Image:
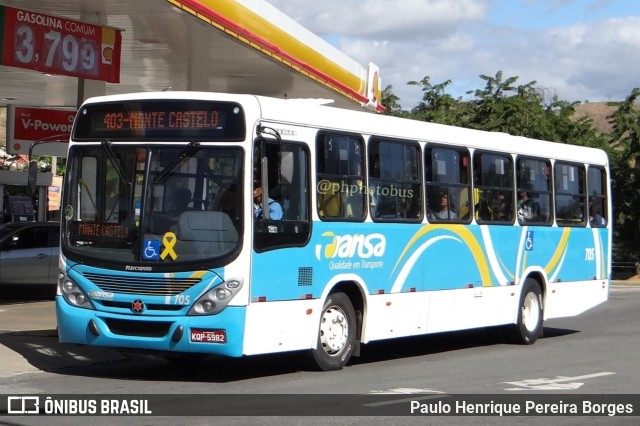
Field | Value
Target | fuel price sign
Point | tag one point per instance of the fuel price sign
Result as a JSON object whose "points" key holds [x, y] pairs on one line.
{"points": [[56, 45]]}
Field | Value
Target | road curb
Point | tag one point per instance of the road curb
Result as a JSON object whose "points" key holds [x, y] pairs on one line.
{"points": [[628, 283], [13, 363]]}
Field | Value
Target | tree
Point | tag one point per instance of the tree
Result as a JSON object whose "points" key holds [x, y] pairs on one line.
{"points": [[437, 106], [504, 106], [625, 163], [390, 101]]}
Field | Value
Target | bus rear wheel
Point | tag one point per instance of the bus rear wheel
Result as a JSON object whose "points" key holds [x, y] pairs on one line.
{"points": [[336, 333], [530, 316]]}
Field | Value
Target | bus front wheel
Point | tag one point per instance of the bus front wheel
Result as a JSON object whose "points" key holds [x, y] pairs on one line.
{"points": [[336, 334], [530, 316]]}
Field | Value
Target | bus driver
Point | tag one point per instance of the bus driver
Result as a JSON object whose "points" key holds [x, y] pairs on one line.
{"points": [[275, 209]]}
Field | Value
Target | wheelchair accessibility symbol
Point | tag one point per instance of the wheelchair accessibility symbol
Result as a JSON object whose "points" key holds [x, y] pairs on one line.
{"points": [[151, 250], [528, 242]]}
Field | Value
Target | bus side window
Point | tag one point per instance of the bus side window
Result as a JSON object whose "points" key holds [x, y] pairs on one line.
{"points": [[288, 182], [533, 191], [493, 179], [596, 189], [570, 194], [395, 187], [447, 172], [340, 191]]}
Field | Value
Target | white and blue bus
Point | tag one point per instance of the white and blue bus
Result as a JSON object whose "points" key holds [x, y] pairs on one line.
{"points": [[372, 227]]}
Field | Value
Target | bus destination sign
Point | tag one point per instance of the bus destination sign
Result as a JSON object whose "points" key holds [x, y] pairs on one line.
{"points": [[161, 120], [92, 231]]}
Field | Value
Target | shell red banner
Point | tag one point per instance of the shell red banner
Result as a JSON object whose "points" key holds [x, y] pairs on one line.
{"points": [[26, 125], [56, 45]]}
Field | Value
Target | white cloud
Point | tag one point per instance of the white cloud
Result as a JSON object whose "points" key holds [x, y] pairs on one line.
{"points": [[457, 40], [594, 61]]}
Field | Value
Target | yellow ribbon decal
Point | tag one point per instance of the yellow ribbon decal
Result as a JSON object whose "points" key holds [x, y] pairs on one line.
{"points": [[168, 241]]}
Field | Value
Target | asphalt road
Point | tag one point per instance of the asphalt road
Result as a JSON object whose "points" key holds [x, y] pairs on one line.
{"points": [[586, 356]]}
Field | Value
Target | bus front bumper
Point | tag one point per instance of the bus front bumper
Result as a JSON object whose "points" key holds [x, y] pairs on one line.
{"points": [[220, 334]]}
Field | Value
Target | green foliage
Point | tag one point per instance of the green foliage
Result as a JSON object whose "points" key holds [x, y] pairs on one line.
{"points": [[624, 141], [390, 100], [436, 105], [45, 163], [502, 105]]}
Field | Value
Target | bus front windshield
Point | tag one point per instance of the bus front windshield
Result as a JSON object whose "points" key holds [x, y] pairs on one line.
{"points": [[167, 207]]}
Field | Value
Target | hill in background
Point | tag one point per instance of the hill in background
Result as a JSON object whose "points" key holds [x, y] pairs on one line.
{"points": [[598, 112]]}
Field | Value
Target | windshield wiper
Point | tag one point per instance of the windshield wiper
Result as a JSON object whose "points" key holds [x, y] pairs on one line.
{"points": [[115, 162], [188, 151]]}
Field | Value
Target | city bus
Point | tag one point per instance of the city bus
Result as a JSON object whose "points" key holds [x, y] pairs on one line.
{"points": [[207, 223]]}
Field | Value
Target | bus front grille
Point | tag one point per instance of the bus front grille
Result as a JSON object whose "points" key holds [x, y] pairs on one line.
{"points": [[144, 286], [137, 328]]}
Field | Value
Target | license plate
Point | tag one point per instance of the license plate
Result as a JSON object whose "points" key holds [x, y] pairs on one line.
{"points": [[209, 336]]}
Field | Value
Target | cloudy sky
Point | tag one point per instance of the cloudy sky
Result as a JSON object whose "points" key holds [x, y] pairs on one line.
{"points": [[579, 50]]}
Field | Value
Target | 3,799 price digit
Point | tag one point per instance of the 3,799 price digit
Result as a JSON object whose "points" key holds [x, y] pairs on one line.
{"points": [[59, 53]]}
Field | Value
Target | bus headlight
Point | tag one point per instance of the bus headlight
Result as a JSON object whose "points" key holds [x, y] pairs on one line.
{"points": [[207, 306], [222, 294], [216, 299], [72, 293]]}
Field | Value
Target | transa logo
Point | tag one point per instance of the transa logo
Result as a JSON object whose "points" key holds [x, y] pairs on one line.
{"points": [[349, 246]]}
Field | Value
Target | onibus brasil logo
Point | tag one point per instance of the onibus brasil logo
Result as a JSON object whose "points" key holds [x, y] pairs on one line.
{"points": [[352, 251]]}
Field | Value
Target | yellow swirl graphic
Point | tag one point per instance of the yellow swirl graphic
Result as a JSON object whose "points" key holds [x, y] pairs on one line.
{"points": [[466, 236], [560, 249]]}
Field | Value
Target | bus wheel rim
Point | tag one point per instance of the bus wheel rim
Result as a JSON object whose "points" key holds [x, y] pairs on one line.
{"points": [[334, 330], [530, 311]]}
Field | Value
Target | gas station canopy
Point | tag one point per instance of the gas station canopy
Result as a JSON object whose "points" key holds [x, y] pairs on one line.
{"points": [[54, 54], [235, 46]]}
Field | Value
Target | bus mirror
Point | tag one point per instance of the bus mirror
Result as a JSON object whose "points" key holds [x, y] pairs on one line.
{"points": [[32, 177], [261, 130]]}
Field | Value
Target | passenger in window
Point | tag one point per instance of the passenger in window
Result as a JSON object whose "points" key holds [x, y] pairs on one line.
{"points": [[525, 207], [484, 212], [503, 210], [443, 212], [275, 209], [595, 219]]}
